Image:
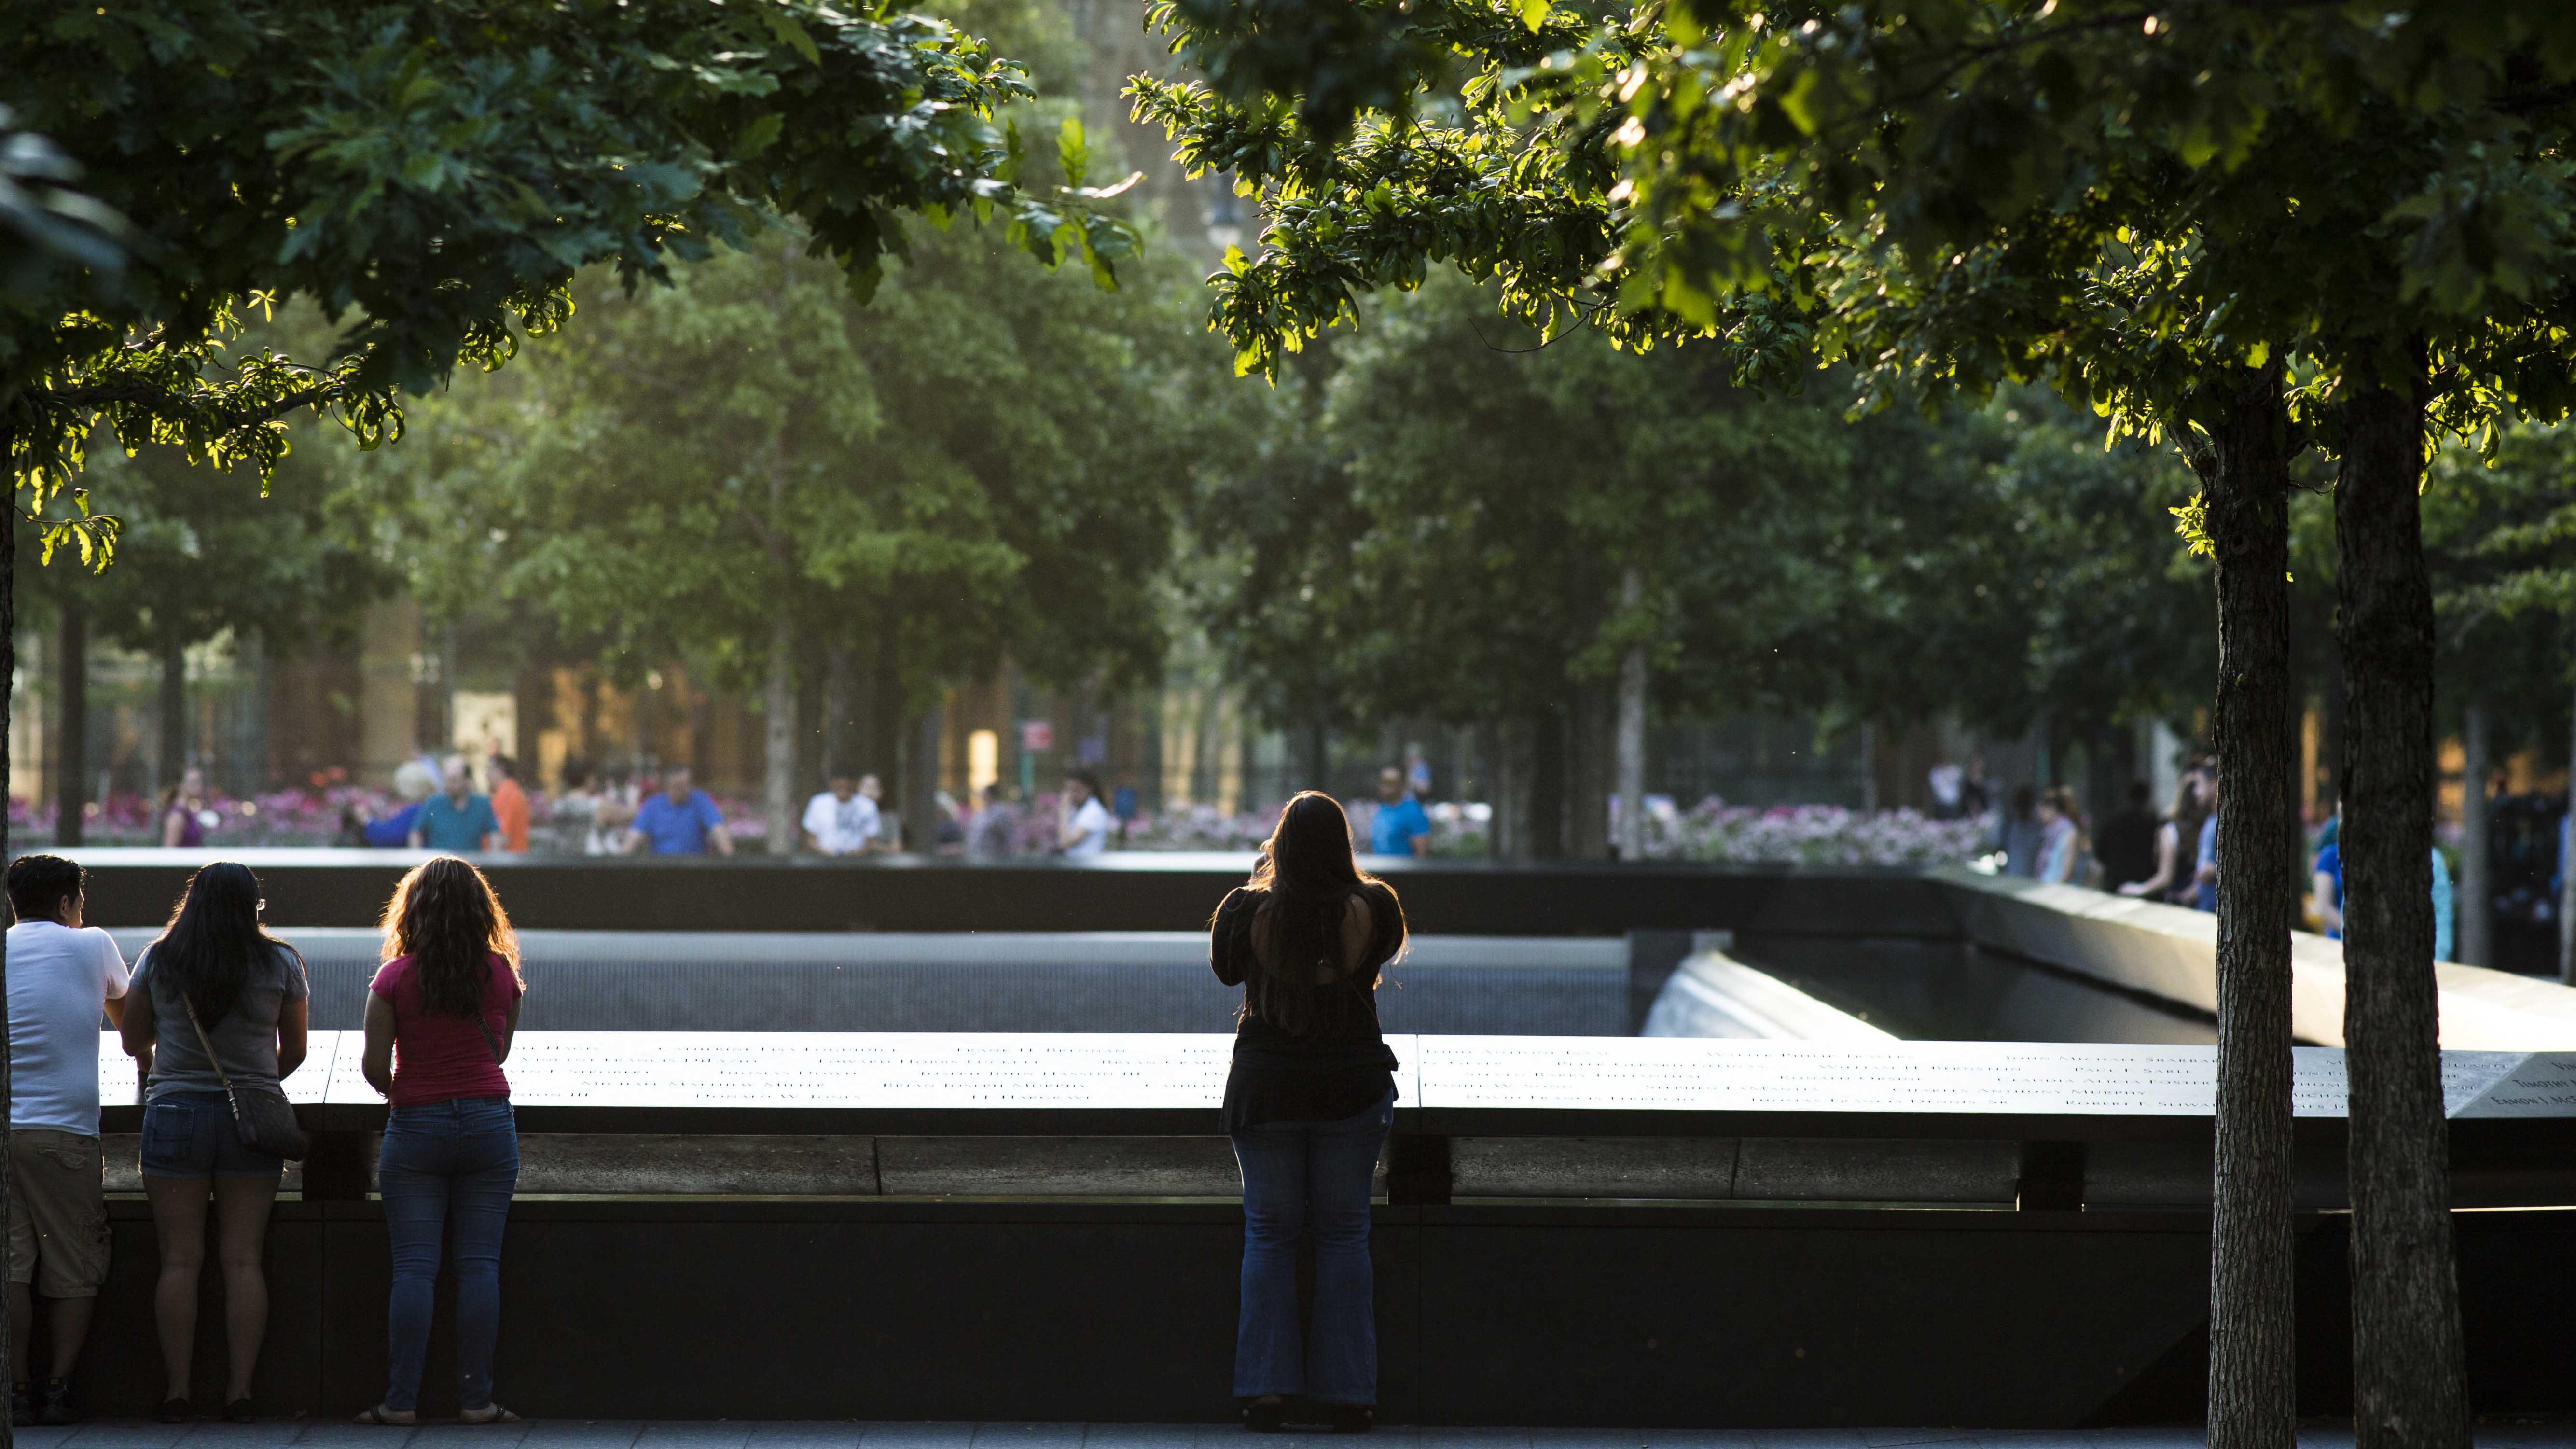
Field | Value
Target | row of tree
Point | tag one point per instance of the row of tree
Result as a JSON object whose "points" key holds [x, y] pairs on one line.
{"points": [[434, 179], [2250, 231]]}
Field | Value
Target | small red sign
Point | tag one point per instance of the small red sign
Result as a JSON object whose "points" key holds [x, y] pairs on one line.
{"points": [[1037, 736]]}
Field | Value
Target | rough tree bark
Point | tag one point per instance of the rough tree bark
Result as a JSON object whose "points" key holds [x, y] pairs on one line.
{"points": [[778, 782], [2477, 868], [2244, 472], [2409, 1373], [71, 770], [1632, 729]]}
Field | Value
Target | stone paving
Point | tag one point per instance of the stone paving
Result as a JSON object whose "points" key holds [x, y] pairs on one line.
{"points": [[740, 1434]]}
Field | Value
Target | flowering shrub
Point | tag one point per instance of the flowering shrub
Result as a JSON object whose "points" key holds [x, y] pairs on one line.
{"points": [[1809, 835], [1710, 831], [1198, 827], [276, 817]]}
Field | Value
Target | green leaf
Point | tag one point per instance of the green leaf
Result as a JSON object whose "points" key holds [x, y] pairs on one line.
{"points": [[793, 35], [1073, 151], [759, 136]]}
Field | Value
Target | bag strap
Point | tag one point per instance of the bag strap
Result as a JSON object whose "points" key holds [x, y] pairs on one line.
{"points": [[489, 1041], [206, 1042]]}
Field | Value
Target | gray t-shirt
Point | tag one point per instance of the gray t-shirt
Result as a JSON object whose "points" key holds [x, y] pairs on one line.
{"points": [[246, 1037]]}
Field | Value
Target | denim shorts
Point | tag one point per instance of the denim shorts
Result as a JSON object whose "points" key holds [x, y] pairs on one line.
{"points": [[192, 1135]]}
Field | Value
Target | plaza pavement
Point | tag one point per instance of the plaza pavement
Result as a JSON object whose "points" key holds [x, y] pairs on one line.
{"points": [[744, 1434]]}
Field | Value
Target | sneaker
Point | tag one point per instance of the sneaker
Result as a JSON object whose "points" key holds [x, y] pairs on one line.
{"points": [[54, 1406], [174, 1411], [22, 1404]]}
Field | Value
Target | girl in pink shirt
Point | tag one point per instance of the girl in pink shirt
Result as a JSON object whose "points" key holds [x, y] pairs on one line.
{"points": [[439, 1021]]}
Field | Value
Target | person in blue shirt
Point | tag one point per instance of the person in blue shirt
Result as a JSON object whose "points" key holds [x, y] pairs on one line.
{"points": [[2566, 845], [392, 832], [2328, 885], [2205, 872], [680, 820], [458, 820], [1402, 827]]}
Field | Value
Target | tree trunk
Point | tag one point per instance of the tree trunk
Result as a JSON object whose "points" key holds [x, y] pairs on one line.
{"points": [[1868, 768], [2245, 478], [840, 705], [2567, 867], [174, 712], [1632, 730], [1547, 784], [921, 784], [1319, 757], [778, 783], [1593, 712], [8, 672], [2477, 868], [71, 777], [1513, 768], [885, 709], [2409, 1378]]}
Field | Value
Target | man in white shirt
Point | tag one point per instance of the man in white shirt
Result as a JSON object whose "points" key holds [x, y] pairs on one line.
{"points": [[1086, 820], [843, 820], [62, 976]]}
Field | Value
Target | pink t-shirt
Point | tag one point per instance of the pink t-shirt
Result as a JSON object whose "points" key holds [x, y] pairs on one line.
{"points": [[439, 1057]]}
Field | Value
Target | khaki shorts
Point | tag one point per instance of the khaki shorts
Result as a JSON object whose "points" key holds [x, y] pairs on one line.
{"points": [[57, 1213]]}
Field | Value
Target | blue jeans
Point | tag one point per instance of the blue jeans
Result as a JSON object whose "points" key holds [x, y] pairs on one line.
{"points": [[191, 1136], [446, 1159], [1310, 1177]]}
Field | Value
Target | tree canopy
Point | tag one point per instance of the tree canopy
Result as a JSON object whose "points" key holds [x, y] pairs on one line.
{"points": [[434, 177]]}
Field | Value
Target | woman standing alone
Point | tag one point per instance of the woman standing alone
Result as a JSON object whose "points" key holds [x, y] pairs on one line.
{"points": [[439, 1021], [1308, 1104]]}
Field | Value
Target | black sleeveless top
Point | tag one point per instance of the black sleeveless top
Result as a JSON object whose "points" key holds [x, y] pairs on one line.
{"points": [[1340, 1069]]}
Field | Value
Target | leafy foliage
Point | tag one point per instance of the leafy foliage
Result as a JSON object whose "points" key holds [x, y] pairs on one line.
{"points": [[434, 176], [1953, 195], [1446, 540], [983, 459]]}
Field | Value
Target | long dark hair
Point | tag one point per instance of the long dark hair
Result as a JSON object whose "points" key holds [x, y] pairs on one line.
{"points": [[207, 948], [444, 916], [1310, 872]]}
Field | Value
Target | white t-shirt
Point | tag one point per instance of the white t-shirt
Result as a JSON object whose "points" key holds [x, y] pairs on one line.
{"points": [[60, 981], [1092, 819], [843, 826]]}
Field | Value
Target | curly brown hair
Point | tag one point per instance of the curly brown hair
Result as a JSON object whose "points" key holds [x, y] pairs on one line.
{"points": [[445, 917]]}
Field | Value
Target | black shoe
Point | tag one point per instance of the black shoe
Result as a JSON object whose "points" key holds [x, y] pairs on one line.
{"points": [[173, 1411], [240, 1411], [1354, 1418], [54, 1406], [22, 1404], [1264, 1418]]}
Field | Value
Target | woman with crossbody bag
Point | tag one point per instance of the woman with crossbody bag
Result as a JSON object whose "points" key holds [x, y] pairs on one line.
{"points": [[439, 1021], [216, 1016]]}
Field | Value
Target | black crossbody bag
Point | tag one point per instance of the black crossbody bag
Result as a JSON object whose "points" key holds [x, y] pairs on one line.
{"points": [[261, 1115]]}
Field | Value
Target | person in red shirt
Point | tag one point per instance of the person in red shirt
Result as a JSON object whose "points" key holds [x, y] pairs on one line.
{"points": [[440, 1017], [510, 804]]}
